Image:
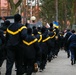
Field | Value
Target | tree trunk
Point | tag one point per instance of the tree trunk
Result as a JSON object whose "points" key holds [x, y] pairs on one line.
{"points": [[13, 10], [14, 6]]}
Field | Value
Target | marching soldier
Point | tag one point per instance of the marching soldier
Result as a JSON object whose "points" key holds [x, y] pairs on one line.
{"points": [[71, 44], [52, 44], [39, 37], [45, 45], [3, 41], [68, 34], [14, 36], [31, 52]]}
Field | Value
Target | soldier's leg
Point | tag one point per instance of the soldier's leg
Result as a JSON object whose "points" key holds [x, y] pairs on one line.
{"points": [[9, 62], [19, 61], [30, 65]]}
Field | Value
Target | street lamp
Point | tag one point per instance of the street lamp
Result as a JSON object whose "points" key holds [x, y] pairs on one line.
{"points": [[31, 9]]}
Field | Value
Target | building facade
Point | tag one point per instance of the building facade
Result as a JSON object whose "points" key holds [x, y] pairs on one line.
{"points": [[5, 7]]}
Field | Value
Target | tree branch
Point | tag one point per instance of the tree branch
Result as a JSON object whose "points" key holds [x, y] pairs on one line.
{"points": [[18, 3], [11, 3]]}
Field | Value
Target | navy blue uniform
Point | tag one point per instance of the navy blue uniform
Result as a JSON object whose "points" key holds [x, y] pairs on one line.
{"points": [[2, 47], [68, 34], [31, 53], [45, 45], [14, 36], [72, 46]]}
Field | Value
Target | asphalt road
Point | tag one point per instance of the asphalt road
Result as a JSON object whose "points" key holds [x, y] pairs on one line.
{"points": [[58, 66]]}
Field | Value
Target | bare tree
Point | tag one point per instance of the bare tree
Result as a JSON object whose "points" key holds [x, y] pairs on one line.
{"points": [[14, 6]]}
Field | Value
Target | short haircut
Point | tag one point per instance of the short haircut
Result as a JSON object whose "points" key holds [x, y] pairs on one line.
{"points": [[17, 17]]}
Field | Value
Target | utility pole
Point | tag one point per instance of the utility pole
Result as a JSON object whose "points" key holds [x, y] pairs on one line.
{"points": [[31, 10], [37, 9], [36, 3], [0, 7], [24, 11], [0, 12], [36, 6], [56, 10]]}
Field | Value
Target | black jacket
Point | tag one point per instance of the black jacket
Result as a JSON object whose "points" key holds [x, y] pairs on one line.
{"points": [[45, 44], [2, 39], [31, 47], [15, 34]]}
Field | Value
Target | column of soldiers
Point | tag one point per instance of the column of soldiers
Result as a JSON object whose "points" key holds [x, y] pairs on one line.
{"points": [[29, 48]]}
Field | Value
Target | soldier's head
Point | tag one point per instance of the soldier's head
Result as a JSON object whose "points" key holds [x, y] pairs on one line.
{"points": [[17, 18], [35, 32], [39, 28], [43, 29], [73, 31], [29, 31], [7, 22], [34, 27], [51, 25], [68, 30]]}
